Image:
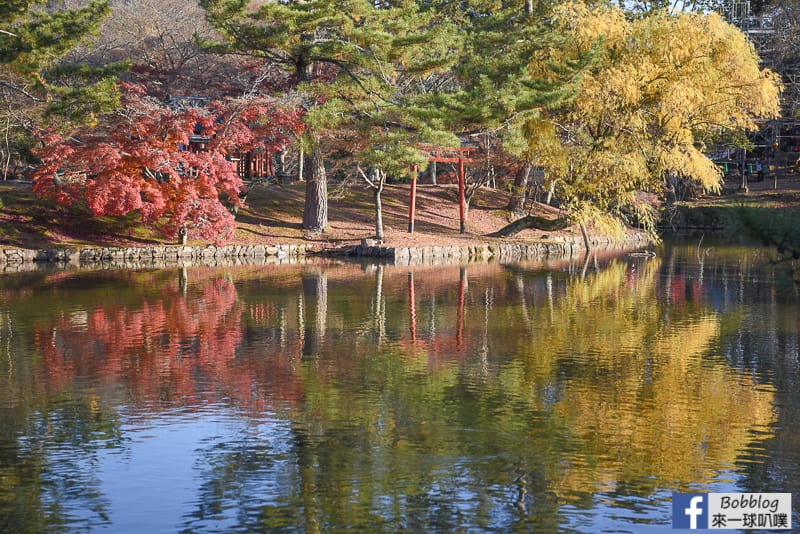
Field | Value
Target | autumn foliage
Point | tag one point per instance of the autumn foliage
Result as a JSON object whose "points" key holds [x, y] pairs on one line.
{"points": [[171, 164], [617, 113], [658, 92]]}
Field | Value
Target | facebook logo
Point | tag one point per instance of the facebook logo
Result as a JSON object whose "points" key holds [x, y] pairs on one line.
{"points": [[690, 510]]}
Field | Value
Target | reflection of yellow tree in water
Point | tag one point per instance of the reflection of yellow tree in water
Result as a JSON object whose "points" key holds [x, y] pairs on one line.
{"points": [[639, 392], [610, 388]]}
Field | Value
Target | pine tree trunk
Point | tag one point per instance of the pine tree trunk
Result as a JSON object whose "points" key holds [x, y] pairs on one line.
{"points": [[520, 192], [315, 212]]}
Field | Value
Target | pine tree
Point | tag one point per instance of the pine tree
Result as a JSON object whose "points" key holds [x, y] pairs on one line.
{"points": [[39, 89], [355, 64], [499, 90], [33, 40]]}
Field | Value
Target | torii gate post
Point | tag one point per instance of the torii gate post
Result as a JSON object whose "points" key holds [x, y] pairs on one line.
{"points": [[462, 202], [412, 205]]}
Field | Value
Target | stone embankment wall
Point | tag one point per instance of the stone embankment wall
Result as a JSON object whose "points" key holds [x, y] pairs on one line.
{"points": [[499, 251], [14, 259], [22, 259]]}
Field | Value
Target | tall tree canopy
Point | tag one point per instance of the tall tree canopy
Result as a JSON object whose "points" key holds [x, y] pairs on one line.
{"points": [[497, 93], [353, 62], [659, 86]]}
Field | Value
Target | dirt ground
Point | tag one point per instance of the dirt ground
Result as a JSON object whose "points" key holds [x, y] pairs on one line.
{"points": [[351, 213], [273, 215], [352, 217]]}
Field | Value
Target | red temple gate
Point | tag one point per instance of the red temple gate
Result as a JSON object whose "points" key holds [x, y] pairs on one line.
{"points": [[443, 155]]}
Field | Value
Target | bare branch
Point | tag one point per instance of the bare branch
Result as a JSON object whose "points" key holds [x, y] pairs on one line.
{"points": [[21, 91], [366, 179]]}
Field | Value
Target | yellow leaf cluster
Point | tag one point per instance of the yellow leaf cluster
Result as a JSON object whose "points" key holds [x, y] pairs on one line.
{"points": [[654, 88]]}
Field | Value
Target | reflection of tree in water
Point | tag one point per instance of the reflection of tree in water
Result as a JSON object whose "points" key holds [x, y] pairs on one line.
{"points": [[315, 298], [614, 393], [631, 383], [163, 348], [47, 466], [239, 475], [398, 407], [760, 334]]}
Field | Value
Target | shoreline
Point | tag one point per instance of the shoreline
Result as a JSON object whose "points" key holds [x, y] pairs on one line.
{"points": [[19, 259]]}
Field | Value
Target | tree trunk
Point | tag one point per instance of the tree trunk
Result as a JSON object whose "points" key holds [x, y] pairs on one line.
{"points": [[530, 221], [520, 192], [585, 237], [743, 171], [315, 211], [280, 165], [7, 150], [378, 214], [743, 186], [300, 160], [550, 191]]}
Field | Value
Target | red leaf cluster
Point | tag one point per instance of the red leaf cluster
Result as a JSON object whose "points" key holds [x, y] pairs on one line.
{"points": [[171, 165]]}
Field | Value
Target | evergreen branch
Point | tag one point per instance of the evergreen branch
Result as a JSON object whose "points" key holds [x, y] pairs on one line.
{"points": [[380, 68], [356, 79]]}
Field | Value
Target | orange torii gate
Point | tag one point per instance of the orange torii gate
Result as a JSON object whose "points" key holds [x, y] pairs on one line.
{"points": [[438, 155]]}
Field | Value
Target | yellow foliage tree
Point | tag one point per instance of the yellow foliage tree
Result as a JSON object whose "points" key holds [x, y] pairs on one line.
{"points": [[659, 86]]}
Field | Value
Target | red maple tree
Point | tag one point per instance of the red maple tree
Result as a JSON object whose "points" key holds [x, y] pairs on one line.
{"points": [[171, 164]]}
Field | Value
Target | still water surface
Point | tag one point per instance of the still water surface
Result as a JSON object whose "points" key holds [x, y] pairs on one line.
{"points": [[314, 397]]}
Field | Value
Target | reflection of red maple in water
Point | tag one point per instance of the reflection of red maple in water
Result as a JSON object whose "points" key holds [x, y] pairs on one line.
{"points": [[205, 343], [172, 350]]}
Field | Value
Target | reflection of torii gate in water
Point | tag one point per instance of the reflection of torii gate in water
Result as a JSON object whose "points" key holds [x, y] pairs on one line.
{"points": [[438, 155], [412, 307]]}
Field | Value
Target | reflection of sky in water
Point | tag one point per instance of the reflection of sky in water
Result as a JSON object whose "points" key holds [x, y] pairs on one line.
{"points": [[148, 482]]}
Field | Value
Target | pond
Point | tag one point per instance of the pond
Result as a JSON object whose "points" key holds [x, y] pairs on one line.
{"points": [[571, 396]]}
